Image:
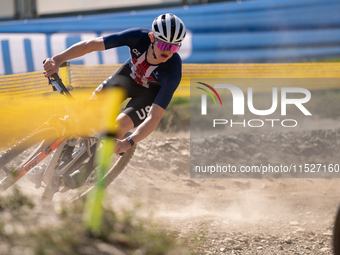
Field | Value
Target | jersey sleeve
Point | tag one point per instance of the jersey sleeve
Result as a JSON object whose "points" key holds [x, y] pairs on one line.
{"points": [[129, 37], [169, 83]]}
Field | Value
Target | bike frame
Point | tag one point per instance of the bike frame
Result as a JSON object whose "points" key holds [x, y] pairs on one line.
{"points": [[37, 159]]}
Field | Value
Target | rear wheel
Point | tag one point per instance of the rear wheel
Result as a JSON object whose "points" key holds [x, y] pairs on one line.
{"points": [[18, 155]]}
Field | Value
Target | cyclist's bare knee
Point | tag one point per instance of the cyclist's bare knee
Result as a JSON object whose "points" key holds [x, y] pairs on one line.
{"points": [[125, 124]]}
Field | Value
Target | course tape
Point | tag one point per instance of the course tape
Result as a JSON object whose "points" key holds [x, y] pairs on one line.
{"points": [[80, 76]]}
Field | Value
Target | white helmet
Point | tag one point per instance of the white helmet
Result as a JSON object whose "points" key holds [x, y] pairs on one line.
{"points": [[169, 28]]}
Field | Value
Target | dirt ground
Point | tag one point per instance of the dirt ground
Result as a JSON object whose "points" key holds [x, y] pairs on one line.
{"points": [[229, 215]]}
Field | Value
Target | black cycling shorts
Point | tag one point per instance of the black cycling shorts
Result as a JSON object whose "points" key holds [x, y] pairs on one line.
{"points": [[141, 97]]}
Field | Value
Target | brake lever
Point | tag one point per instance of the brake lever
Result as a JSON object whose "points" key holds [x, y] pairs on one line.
{"points": [[55, 85]]}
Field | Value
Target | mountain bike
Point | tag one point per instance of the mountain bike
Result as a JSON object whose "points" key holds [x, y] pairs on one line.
{"points": [[59, 162]]}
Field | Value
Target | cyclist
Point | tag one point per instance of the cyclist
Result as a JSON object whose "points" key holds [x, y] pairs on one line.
{"points": [[150, 76]]}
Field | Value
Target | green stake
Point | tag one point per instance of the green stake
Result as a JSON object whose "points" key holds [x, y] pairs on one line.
{"points": [[94, 204]]}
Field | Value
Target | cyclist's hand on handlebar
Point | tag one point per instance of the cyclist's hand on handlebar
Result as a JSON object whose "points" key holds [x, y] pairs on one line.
{"points": [[122, 146], [50, 66]]}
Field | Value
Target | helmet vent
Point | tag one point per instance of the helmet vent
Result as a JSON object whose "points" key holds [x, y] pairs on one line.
{"points": [[155, 26], [173, 27], [180, 31], [162, 38]]}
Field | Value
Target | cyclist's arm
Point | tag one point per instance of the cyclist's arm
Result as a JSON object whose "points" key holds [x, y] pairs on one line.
{"points": [[149, 125], [51, 65], [146, 128]]}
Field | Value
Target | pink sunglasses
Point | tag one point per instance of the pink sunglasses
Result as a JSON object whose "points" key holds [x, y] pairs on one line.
{"points": [[164, 46]]}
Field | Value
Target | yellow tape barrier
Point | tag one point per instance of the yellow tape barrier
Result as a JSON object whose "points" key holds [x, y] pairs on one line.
{"points": [[26, 100], [91, 76], [22, 115]]}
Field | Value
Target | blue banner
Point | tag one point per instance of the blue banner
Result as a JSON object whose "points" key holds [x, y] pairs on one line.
{"points": [[245, 32]]}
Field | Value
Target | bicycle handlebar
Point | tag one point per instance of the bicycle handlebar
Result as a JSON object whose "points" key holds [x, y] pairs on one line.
{"points": [[58, 85]]}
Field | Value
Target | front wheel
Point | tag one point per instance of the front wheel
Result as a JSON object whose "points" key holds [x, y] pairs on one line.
{"points": [[118, 163]]}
